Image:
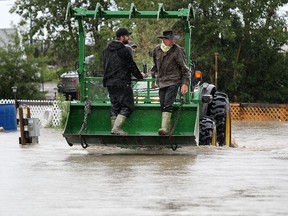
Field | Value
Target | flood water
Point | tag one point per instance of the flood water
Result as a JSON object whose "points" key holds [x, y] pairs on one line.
{"points": [[51, 178]]}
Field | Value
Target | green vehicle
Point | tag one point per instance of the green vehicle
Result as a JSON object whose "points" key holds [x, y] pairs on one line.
{"points": [[201, 117]]}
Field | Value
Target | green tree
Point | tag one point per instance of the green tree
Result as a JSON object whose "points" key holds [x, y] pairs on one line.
{"points": [[264, 78], [146, 31], [18, 67], [46, 21], [248, 36]]}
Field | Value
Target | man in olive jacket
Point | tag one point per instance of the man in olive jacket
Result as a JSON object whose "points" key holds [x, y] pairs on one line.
{"points": [[171, 71], [118, 66]]}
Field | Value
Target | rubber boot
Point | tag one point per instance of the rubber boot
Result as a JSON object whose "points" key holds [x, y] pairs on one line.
{"points": [[117, 128], [113, 118], [165, 125]]}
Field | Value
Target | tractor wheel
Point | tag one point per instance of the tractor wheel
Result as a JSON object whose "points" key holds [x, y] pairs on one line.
{"points": [[219, 110], [208, 134]]}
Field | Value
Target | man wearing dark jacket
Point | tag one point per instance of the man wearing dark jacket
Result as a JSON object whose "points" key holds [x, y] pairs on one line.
{"points": [[118, 67], [171, 71]]}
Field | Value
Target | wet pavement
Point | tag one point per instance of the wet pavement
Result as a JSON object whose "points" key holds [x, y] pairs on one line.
{"points": [[51, 178]]}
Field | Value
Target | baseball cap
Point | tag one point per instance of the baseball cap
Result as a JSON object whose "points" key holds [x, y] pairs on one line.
{"points": [[122, 31]]}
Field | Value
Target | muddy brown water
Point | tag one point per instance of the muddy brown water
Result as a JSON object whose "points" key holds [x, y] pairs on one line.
{"points": [[51, 178]]}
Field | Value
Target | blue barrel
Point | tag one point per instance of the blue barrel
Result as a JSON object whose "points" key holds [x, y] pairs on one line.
{"points": [[8, 117]]}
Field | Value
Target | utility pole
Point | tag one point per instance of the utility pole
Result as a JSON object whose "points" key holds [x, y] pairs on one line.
{"points": [[14, 88], [216, 68]]}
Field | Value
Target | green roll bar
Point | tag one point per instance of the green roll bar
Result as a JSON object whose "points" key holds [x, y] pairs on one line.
{"points": [[81, 13]]}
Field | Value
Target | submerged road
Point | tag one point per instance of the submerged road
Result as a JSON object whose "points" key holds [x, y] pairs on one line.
{"points": [[53, 179]]}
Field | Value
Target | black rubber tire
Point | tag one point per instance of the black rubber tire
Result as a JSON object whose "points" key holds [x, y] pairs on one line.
{"points": [[207, 131], [219, 110], [69, 96]]}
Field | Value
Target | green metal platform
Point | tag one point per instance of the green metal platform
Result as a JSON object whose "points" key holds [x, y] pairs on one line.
{"points": [[142, 126]]}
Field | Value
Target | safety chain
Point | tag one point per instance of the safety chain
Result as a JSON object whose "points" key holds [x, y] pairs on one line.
{"points": [[87, 111], [175, 146]]}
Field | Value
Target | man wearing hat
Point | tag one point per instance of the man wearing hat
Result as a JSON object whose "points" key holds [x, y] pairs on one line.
{"points": [[171, 72], [119, 65], [132, 47]]}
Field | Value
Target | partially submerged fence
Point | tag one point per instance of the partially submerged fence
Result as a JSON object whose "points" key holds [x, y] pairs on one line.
{"points": [[259, 112], [49, 111]]}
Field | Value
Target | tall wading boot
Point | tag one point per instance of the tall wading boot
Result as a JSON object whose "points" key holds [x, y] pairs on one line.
{"points": [[117, 127], [113, 118], [165, 125]]}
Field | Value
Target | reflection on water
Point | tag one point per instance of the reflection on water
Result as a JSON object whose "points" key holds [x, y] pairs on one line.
{"points": [[129, 165], [52, 178], [266, 135]]}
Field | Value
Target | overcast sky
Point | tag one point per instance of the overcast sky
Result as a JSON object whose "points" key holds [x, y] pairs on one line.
{"points": [[7, 18]]}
